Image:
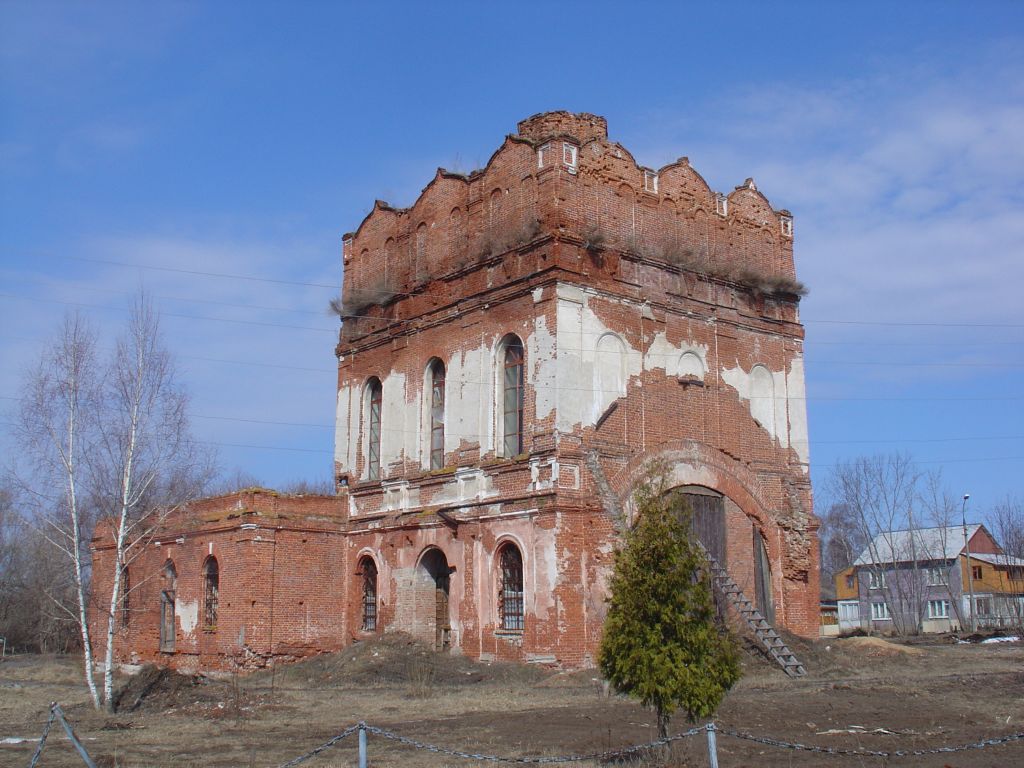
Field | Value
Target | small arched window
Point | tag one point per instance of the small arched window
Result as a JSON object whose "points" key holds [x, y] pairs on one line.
{"points": [[368, 572], [374, 396], [168, 591], [125, 589], [510, 591], [512, 396], [211, 592], [437, 380]]}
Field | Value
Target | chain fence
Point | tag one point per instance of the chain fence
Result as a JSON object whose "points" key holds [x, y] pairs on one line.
{"points": [[711, 731]]}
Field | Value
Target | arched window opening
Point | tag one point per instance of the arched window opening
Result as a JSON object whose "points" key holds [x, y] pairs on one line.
{"points": [[375, 394], [512, 397], [437, 380], [510, 594], [125, 588], [368, 571], [168, 591], [211, 592]]}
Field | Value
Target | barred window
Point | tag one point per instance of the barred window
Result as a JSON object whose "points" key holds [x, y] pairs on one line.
{"points": [[211, 592], [510, 595], [368, 570]]}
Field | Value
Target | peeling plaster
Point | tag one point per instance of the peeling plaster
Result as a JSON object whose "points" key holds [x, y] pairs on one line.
{"points": [[188, 615], [777, 401], [344, 449], [675, 360], [588, 381]]}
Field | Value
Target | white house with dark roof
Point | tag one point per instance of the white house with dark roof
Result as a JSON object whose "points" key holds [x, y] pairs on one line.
{"points": [[922, 581]]}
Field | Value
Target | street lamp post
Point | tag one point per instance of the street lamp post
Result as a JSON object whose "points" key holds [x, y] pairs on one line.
{"points": [[970, 573]]}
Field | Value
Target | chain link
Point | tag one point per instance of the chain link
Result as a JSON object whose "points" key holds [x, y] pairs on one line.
{"points": [[326, 745], [861, 752], [606, 755]]}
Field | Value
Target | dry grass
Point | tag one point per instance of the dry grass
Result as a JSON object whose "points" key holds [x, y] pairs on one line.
{"points": [[945, 695]]}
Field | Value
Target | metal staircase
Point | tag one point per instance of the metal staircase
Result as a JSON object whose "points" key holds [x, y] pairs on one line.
{"points": [[774, 646]]}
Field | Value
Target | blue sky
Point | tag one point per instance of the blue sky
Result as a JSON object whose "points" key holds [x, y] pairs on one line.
{"points": [[190, 148]]}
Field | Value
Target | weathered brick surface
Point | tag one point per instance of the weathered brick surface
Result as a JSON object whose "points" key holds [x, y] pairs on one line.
{"points": [[659, 321]]}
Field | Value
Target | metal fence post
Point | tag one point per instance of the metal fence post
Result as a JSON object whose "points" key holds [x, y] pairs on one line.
{"points": [[712, 746], [362, 745], [74, 739]]}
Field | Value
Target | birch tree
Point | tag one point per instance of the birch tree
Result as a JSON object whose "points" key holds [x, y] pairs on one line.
{"points": [[146, 465], [115, 439], [55, 426]]}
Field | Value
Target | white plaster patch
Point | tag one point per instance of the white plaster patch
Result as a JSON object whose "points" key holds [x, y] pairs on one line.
{"points": [[344, 450], [796, 396], [676, 360], [545, 369], [777, 401], [188, 615], [594, 363]]}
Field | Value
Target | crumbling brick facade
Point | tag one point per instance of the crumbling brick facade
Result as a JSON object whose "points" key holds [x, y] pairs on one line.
{"points": [[516, 348]]}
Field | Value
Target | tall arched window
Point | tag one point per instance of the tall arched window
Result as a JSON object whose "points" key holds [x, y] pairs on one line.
{"points": [[211, 592], [374, 396], [125, 588], [510, 591], [368, 571], [168, 590], [512, 396], [437, 378]]}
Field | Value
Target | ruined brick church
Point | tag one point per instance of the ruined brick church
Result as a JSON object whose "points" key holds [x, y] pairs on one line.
{"points": [[516, 347]]}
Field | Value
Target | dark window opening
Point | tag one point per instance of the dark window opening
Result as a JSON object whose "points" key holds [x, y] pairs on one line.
{"points": [[125, 588], [368, 570], [168, 591], [513, 398], [211, 592], [510, 596]]}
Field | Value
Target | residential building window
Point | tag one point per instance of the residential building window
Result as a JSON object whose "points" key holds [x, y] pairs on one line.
{"points": [[880, 612], [976, 572], [510, 595], [848, 611], [938, 609], [437, 380], [936, 576], [876, 579], [168, 592], [125, 588], [375, 396], [983, 606], [368, 571], [512, 396], [850, 580], [211, 592]]}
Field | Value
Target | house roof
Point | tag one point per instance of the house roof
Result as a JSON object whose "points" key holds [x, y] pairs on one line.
{"points": [[997, 559], [919, 544]]}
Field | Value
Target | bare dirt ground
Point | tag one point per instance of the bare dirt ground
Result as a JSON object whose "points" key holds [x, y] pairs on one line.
{"points": [[921, 695]]}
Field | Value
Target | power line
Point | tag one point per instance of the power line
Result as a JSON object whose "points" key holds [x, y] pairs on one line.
{"points": [[201, 273], [173, 314]]}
